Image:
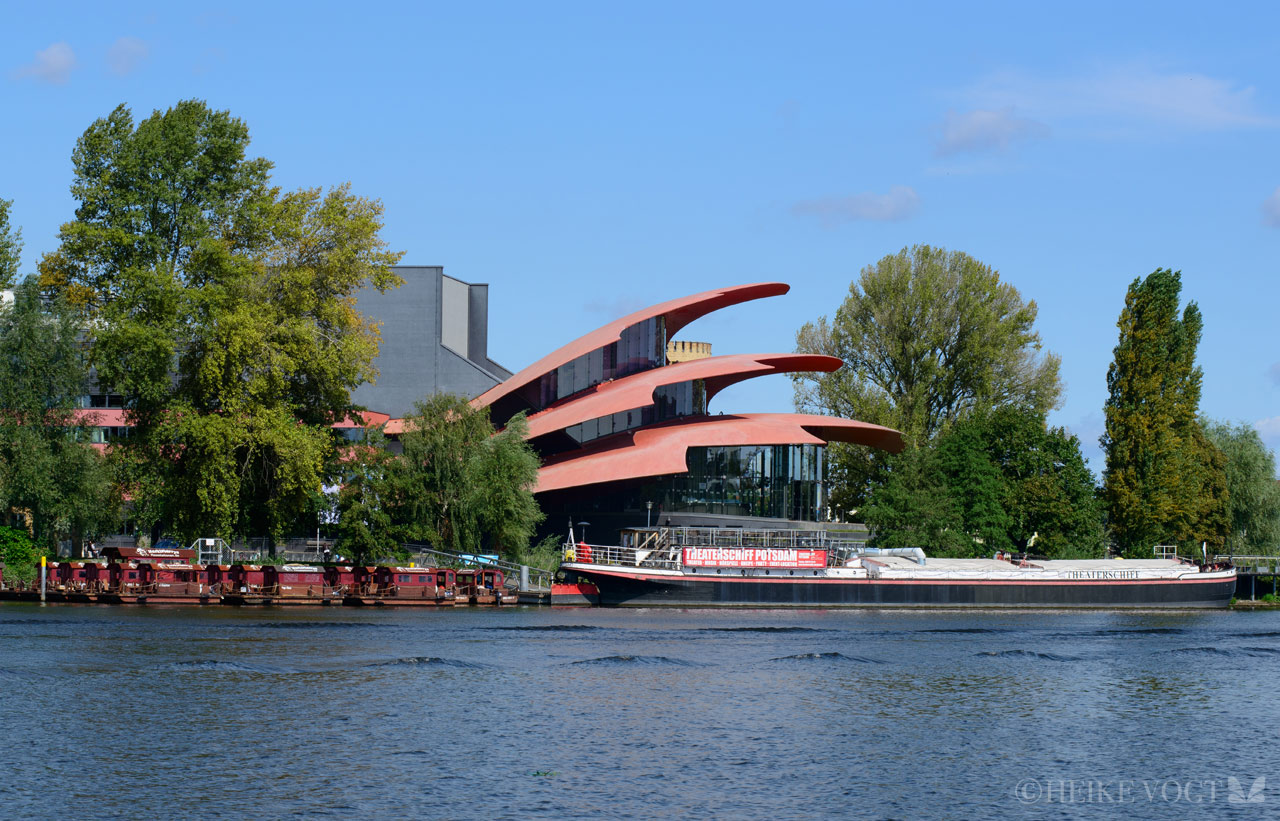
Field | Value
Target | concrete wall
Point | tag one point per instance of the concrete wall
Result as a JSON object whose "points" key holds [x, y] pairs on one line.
{"points": [[434, 340]]}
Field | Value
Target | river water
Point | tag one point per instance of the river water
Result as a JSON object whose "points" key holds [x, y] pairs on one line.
{"points": [[150, 712]]}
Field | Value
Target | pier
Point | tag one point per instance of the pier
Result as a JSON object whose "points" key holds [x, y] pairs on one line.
{"points": [[1250, 571]]}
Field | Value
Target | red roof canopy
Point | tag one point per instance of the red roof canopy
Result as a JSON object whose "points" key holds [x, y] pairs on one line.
{"points": [[659, 450], [636, 390], [678, 313]]}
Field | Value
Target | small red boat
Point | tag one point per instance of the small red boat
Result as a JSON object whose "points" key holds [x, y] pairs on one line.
{"points": [[402, 587], [485, 587], [297, 584]]}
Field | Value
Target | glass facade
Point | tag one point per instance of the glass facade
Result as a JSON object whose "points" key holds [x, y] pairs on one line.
{"points": [[670, 402], [781, 481], [773, 481], [639, 348]]}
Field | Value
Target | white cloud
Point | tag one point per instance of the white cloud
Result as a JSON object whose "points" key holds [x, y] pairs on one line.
{"points": [[985, 130], [1124, 93], [52, 65], [1269, 430], [617, 307], [1271, 216], [900, 203], [126, 54]]}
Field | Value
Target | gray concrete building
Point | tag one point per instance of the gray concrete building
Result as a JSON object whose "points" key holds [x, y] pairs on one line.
{"points": [[435, 339]]}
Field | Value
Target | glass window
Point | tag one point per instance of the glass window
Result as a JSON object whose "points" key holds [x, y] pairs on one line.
{"points": [[783, 481]]}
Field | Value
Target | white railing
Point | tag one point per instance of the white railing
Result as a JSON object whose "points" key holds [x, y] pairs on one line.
{"points": [[1258, 565], [663, 547]]}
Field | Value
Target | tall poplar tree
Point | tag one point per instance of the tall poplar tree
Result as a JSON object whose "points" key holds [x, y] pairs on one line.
{"points": [[1164, 480]]}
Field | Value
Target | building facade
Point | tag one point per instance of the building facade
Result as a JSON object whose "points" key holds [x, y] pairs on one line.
{"points": [[626, 436], [435, 339]]}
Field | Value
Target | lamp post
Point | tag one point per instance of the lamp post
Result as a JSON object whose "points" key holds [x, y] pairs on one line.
{"points": [[648, 513]]}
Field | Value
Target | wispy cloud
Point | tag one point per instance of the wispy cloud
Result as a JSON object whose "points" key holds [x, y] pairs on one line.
{"points": [[901, 202], [217, 18], [126, 54], [1269, 430], [52, 65], [985, 130], [209, 59], [1129, 93], [1271, 209], [616, 308]]}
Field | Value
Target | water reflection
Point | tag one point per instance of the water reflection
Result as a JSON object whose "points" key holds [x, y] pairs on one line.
{"points": [[598, 713]]}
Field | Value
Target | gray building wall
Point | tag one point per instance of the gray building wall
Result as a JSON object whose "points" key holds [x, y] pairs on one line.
{"points": [[435, 332]]}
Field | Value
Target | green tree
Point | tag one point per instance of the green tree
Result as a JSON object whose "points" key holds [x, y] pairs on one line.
{"points": [[463, 486], [20, 555], [1164, 480], [1254, 493], [224, 314], [914, 507], [927, 337], [48, 470], [1049, 493], [10, 247], [366, 530], [1000, 479]]}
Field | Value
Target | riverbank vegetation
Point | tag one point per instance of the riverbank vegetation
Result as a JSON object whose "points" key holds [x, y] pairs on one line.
{"points": [[217, 311], [454, 483], [937, 346]]}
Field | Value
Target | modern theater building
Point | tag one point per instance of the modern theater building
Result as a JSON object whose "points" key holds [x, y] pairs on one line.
{"points": [[627, 437]]}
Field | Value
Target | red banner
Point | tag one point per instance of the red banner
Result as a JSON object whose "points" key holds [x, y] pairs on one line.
{"points": [[787, 557]]}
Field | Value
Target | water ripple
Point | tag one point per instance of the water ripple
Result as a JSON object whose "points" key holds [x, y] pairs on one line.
{"points": [[968, 630], [1027, 654], [765, 630], [626, 661], [828, 657], [214, 665], [427, 661], [314, 625], [547, 628]]}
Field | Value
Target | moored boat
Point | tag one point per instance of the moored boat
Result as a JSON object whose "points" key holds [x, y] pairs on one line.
{"points": [[778, 568], [484, 586], [401, 587]]}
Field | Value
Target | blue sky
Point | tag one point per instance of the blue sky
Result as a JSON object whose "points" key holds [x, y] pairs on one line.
{"points": [[589, 159]]}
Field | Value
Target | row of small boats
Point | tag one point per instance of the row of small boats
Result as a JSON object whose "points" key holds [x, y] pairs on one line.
{"points": [[140, 576]]}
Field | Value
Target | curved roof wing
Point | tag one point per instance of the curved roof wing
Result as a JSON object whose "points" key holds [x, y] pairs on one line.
{"points": [[659, 450], [678, 313], [636, 390]]}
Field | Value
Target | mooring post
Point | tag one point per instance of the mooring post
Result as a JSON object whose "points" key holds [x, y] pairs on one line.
{"points": [[44, 574], [524, 577]]}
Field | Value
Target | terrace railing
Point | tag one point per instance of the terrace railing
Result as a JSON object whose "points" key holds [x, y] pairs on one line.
{"points": [[524, 576]]}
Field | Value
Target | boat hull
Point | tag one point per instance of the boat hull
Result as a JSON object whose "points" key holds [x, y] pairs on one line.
{"points": [[620, 588]]}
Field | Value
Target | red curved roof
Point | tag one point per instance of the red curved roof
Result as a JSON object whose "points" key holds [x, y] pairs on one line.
{"points": [[636, 390], [659, 450], [678, 313]]}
